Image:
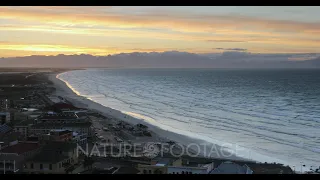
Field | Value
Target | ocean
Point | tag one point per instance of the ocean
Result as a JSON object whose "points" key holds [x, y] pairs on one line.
{"points": [[272, 114]]}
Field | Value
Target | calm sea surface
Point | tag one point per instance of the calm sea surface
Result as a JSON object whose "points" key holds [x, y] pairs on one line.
{"points": [[274, 114]]}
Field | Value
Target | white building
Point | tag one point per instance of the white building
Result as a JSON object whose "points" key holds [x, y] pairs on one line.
{"points": [[202, 169]]}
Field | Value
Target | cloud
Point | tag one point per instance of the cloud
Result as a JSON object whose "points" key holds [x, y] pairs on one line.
{"points": [[303, 57], [232, 49], [167, 28], [226, 41], [161, 19]]}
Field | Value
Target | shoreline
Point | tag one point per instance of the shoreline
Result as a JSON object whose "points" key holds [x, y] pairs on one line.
{"points": [[64, 90]]}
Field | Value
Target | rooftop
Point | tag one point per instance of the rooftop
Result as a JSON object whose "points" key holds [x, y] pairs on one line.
{"points": [[59, 146], [25, 122], [4, 113], [59, 106], [5, 128], [127, 170], [229, 168], [164, 161], [50, 157], [59, 116], [60, 126], [21, 148], [9, 137], [61, 131]]}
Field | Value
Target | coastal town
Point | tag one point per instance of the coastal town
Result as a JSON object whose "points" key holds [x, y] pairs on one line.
{"points": [[45, 133]]}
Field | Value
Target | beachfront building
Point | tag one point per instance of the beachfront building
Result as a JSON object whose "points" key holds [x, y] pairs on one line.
{"points": [[58, 135], [173, 166], [187, 170], [67, 117], [60, 107], [13, 157], [29, 103], [45, 128], [54, 158], [159, 165], [229, 167], [200, 169], [8, 139]]}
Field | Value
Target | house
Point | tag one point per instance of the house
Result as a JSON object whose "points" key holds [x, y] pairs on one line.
{"points": [[13, 157], [126, 170], [18, 117], [23, 127], [173, 166], [200, 169], [5, 129], [80, 139], [4, 117], [45, 128], [54, 158], [229, 167], [59, 135], [59, 107], [8, 139], [68, 117], [159, 165]]}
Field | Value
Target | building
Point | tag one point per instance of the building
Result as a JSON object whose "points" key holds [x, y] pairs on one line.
{"points": [[59, 107], [126, 170], [173, 166], [80, 139], [13, 157], [23, 127], [4, 103], [54, 158], [4, 117], [5, 129], [59, 135], [8, 139], [45, 128], [229, 167], [159, 165], [200, 169], [66, 117], [28, 103]]}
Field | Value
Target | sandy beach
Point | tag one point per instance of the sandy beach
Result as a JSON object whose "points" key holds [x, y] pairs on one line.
{"points": [[158, 135]]}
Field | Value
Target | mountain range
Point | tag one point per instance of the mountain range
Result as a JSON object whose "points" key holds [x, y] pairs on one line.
{"points": [[169, 59]]}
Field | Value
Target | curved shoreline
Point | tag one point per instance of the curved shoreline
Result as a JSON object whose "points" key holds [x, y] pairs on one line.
{"points": [[82, 101], [64, 89]]}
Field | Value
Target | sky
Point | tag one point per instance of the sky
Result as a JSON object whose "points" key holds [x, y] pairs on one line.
{"points": [[105, 30]]}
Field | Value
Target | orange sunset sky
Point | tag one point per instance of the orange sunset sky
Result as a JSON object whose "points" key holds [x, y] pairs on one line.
{"points": [[108, 30]]}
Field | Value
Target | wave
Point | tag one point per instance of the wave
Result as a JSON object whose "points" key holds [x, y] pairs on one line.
{"points": [[268, 128]]}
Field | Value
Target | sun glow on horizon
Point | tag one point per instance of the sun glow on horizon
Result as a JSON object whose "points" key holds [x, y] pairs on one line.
{"points": [[111, 30]]}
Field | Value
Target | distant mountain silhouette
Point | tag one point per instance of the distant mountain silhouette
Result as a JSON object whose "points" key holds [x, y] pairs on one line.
{"points": [[169, 59]]}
